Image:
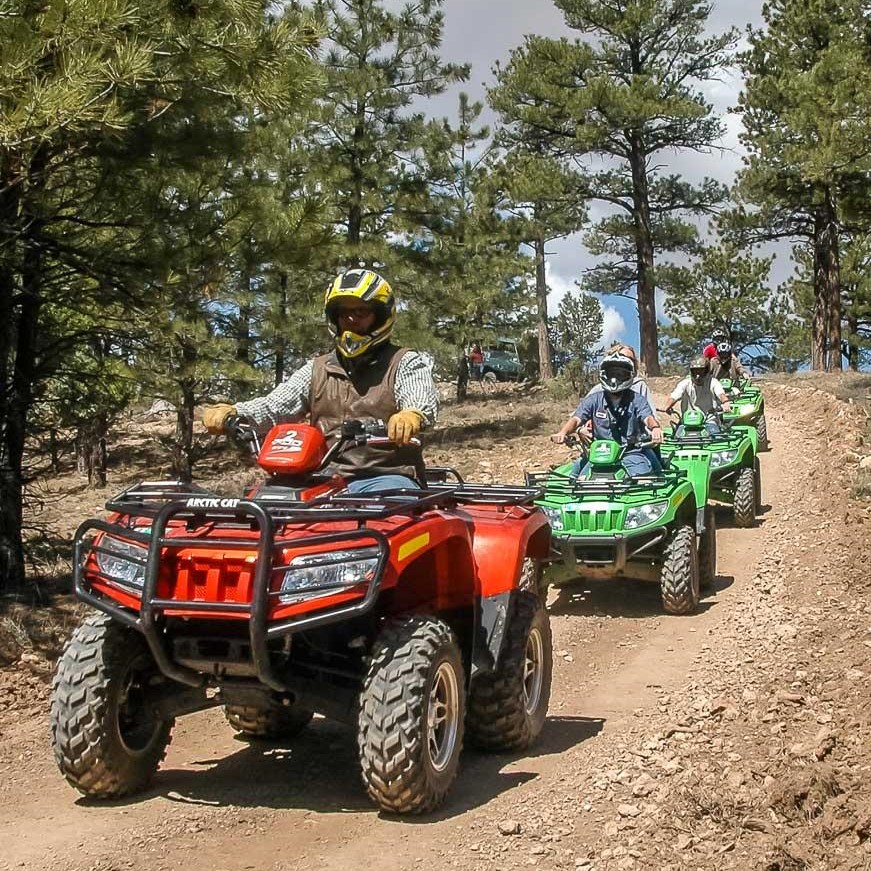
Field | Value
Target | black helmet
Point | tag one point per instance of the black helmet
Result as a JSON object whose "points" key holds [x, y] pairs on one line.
{"points": [[616, 373], [724, 350]]}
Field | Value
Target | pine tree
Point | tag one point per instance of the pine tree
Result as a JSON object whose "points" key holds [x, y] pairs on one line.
{"points": [[547, 202], [85, 92], [630, 95], [806, 126], [578, 328], [726, 290], [472, 281], [378, 63]]}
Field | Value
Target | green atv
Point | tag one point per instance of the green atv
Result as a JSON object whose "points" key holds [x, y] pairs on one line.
{"points": [[610, 524], [748, 408], [729, 459]]}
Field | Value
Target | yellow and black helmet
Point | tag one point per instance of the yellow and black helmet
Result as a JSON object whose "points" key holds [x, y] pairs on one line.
{"points": [[362, 286]]}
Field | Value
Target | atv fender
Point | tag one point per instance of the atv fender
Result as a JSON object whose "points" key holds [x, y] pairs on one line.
{"points": [[501, 543], [502, 540], [750, 432]]}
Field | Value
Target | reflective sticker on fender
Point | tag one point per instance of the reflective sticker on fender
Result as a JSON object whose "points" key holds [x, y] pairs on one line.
{"points": [[413, 545]]}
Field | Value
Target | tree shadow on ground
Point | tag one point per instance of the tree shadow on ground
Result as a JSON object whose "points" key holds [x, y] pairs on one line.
{"points": [[319, 771]]}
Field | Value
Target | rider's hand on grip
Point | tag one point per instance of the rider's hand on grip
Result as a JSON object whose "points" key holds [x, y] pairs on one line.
{"points": [[558, 438], [404, 426], [215, 416]]}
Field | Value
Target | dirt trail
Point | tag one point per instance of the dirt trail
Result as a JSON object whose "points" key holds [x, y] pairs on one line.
{"points": [[220, 803]]}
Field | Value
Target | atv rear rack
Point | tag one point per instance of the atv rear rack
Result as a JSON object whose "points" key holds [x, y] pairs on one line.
{"points": [[148, 498]]}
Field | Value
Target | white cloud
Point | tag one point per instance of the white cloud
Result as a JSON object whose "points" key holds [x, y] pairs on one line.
{"points": [[613, 325]]}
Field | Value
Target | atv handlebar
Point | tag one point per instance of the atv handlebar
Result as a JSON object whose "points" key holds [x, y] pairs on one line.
{"points": [[357, 432], [572, 441], [242, 433]]}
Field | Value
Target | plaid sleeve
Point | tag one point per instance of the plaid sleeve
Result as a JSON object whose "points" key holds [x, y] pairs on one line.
{"points": [[286, 404], [414, 387]]}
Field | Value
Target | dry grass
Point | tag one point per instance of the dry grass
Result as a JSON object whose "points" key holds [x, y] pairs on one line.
{"points": [[32, 627]]}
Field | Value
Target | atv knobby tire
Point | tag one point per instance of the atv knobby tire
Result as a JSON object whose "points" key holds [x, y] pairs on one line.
{"points": [[508, 706], [679, 582], [762, 433], [412, 712], [107, 742], [708, 551], [267, 723], [745, 498]]}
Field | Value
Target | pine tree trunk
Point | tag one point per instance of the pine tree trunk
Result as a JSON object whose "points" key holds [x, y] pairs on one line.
{"points": [[54, 451], [91, 451], [545, 367], [19, 344], [646, 288], [243, 339], [852, 342], [281, 330], [183, 446], [182, 449], [355, 211], [826, 323], [833, 286], [11, 552], [820, 317]]}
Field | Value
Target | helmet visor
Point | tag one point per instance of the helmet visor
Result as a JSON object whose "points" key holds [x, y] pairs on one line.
{"points": [[616, 375]]}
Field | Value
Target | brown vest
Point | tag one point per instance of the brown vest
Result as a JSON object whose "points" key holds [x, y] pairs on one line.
{"points": [[365, 393], [718, 370]]}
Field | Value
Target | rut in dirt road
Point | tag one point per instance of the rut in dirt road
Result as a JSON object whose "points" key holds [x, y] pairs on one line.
{"points": [[613, 746]]}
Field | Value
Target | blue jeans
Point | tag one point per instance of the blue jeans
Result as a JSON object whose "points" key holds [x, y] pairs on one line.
{"points": [[636, 464], [382, 482]]}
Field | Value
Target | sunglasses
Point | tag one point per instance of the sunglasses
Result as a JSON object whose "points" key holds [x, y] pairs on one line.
{"points": [[355, 313]]}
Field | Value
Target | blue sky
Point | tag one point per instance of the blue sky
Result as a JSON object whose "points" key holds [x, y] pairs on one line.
{"points": [[481, 32]]}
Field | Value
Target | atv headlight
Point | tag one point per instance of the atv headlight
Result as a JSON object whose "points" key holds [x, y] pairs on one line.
{"points": [[322, 574], [125, 564], [722, 458], [746, 408], [641, 515], [555, 516]]}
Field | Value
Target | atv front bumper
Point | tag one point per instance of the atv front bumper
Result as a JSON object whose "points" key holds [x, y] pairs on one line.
{"points": [[622, 555], [147, 608]]}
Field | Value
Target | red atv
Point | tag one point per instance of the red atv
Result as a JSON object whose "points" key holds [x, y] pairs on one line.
{"points": [[414, 614]]}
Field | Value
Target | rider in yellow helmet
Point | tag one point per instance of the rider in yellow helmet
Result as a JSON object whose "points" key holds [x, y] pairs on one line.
{"points": [[365, 376]]}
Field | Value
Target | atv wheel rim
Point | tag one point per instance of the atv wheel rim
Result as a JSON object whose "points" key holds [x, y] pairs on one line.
{"points": [[533, 671], [135, 722], [443, 715]]}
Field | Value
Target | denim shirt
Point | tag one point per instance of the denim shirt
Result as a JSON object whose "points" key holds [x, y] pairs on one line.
{"points": [[620, 419]]}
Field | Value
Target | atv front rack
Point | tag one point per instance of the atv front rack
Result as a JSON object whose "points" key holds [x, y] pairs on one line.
{"points": [[163, 503], [555, 483]]}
